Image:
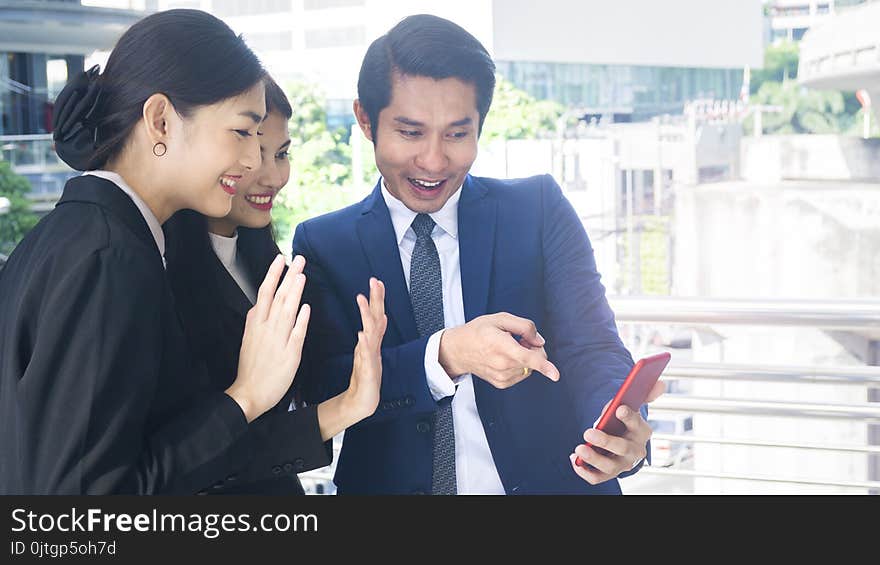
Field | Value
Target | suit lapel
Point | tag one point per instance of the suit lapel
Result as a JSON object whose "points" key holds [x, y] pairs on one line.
{"points": [[380, 247], [476, 232], [232, 294]]}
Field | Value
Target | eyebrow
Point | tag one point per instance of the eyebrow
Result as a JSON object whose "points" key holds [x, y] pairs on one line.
{"points": [[252, 115], [409, 122]]}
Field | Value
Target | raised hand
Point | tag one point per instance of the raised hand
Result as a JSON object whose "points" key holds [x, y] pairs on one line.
{"points": [[366, 372], [274, 333]]}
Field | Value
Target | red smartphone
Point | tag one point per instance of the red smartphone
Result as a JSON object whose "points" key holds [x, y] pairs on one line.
{"points": [[632, 393]]}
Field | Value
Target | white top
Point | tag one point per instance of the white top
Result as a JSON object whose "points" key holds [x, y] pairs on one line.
{"points": [[226, 249], [475, 469], [149, 216]]}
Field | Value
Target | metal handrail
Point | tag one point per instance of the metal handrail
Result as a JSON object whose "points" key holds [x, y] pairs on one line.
{"points": [[761, 478], [679, 438], [681, 403], [839, 315], [855, 375]]}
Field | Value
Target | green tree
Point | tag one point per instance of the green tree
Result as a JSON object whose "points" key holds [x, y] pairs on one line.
{"points": [[780, 65], [803, 110], [517, 115], [320, 164], [19, 218]]}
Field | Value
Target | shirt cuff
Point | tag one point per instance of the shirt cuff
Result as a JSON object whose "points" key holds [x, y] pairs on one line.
{"points": [[439, 382]]}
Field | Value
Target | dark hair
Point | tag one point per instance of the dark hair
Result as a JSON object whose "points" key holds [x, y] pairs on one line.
{"points": [[190, 56], [428, 46], [276, 100]]}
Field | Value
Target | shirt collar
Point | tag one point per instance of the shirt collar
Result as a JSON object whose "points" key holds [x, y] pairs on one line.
{"points": [[225, 248], [152, 221], [402, 217]]}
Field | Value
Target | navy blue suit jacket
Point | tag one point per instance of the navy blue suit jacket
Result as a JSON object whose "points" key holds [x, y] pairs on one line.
{"points": [[523, 250]]}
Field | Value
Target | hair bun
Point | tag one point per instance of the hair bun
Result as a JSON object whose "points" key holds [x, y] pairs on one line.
{"points": [[75, 119]]}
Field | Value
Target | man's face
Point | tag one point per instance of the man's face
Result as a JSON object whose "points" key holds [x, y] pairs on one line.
{"points": [[426, 140]]}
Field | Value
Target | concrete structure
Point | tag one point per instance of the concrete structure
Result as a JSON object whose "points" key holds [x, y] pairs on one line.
{"points": [[843, 53], [790, 19]]}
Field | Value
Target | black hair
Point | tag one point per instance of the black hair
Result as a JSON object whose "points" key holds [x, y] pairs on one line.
{"points": [[427, 46], [276, 100], [190, 56]]}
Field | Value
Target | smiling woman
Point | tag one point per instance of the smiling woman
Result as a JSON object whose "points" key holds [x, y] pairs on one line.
{"points": [[97, 391], [213, 267]]}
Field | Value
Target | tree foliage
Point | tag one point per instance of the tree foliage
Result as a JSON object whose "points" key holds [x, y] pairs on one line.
{"points": [[517, 115], [320, 164], [803, 110], [19, 218]]}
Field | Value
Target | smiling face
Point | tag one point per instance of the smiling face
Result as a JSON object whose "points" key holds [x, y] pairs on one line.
{"points": [[218, 147], [426, 140], [256, 190]]}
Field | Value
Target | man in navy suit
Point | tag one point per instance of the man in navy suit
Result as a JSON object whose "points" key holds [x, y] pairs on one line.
{"points": [[501, 350]]}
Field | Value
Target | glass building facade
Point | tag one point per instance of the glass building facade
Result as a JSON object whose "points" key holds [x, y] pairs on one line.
{"points": [[628, 93]]}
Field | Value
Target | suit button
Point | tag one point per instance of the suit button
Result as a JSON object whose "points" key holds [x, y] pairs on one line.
{"points": [[423, 427], [231, 478], [299, 464], [409, 401], [515, 489], [276, 469], [288, 467], [218, 485], [491, 423]]}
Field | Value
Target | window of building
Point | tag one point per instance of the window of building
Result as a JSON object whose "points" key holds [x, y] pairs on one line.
{"points": [[335, 37], [270, 41], [324, 4], [225, 8]]}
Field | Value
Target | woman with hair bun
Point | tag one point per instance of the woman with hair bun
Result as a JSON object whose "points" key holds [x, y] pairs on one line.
{"points": [[98, 394]]}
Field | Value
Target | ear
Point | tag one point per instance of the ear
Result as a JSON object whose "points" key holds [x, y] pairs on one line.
{"points": [[157, 114], [363, 120]]}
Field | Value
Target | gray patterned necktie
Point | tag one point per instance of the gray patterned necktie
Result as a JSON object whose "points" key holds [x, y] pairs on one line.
{"points": [[426, 294]]}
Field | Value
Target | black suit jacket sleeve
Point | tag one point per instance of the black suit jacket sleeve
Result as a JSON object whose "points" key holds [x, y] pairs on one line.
{"points": [[89, 389], [280, 443]]}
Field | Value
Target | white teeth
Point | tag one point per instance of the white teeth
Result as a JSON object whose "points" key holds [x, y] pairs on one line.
{"points": [[259, 199], [425, 183], [227, 182]]}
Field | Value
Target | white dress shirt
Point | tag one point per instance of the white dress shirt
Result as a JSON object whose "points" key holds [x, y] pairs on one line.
{"points": [[226, 249], [475, 469], [149, 216]]}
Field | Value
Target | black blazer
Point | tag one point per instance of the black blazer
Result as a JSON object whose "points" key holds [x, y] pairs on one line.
{"points": [[213, 308], [97, 391]]}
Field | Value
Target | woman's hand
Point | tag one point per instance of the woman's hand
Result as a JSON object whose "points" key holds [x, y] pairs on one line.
{"points": [[366, 372], [361, 398], [274, 333]]}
